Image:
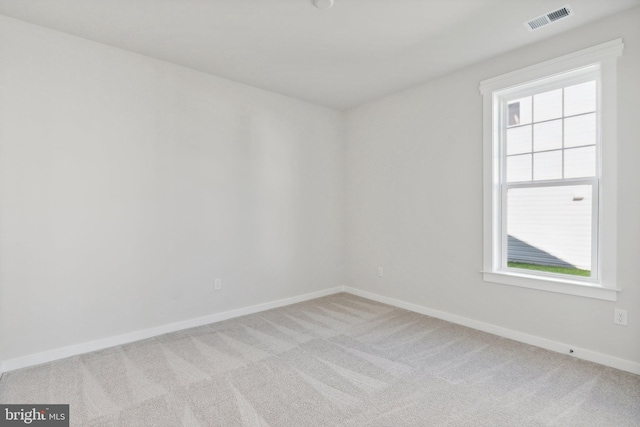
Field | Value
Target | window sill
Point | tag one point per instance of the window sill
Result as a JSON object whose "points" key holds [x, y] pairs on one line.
{"points": [[552, 284]]}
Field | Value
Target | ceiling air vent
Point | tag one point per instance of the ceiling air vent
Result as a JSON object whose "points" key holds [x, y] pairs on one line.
{"points": [[548, 18]]}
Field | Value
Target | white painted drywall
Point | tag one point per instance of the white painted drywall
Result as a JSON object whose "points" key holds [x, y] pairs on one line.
{"points": [[128, 184], [414, 201]]}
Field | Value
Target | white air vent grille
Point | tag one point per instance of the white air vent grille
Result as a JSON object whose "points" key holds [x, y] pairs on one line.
{"points": [[548, 18], [558, 14]]}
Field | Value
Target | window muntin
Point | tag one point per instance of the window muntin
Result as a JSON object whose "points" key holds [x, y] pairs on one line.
{"points": [[555, 131]]}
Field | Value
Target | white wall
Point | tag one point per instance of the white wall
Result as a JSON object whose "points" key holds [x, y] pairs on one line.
{"points": [[128, 184], [414, 202]]}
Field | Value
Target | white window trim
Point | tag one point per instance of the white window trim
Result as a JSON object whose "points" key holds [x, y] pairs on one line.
{"points": [[605, 55]]}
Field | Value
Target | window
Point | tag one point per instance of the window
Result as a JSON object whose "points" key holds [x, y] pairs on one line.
{"points": [[548, 175], [550, 199]]}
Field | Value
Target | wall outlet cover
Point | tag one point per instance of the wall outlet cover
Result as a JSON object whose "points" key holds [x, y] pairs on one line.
{"points": [[620, 317]]}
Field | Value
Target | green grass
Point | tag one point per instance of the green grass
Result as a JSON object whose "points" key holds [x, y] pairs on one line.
{"points": [[550, 269]]}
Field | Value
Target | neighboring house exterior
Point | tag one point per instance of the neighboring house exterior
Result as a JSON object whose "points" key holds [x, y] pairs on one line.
{"points": [[550, 226]]}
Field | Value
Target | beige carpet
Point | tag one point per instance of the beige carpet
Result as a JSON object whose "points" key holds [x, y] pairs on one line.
{"points": [[335, 361]]}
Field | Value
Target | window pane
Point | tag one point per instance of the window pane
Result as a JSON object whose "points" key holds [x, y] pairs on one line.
{"points": [[519, 168], [580, 130], [547, 136], [580, 98], [580, 162], [549, 229], [547, 106], [519, 111], [519, 140], [547, 165]]}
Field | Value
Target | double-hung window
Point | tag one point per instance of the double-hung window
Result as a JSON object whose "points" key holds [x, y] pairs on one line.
{"points": [[549, 185]]}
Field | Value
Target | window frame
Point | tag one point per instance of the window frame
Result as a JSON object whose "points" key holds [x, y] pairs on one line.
{"points": [[599, 62], [502, 98]]}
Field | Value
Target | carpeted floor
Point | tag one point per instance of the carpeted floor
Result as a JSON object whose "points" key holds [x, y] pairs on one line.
{"points": [[334, 361]]}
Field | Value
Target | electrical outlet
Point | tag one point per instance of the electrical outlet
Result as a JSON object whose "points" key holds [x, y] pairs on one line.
{"points": [[217, 284], [620, 317], [380, 272]]}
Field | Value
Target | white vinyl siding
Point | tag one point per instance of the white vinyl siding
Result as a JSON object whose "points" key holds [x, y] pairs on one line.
{"points": [[550, 226]]}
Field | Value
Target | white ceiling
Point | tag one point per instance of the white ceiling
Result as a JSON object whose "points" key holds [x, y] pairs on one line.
{"points": [[353, 53]]}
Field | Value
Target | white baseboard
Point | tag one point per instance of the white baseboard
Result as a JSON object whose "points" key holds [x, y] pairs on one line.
{"points": [[61, 353], [74, 350], [580, 353]]}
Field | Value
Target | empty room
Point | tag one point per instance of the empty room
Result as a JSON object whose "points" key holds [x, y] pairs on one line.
{"points": [[319, 213]]}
